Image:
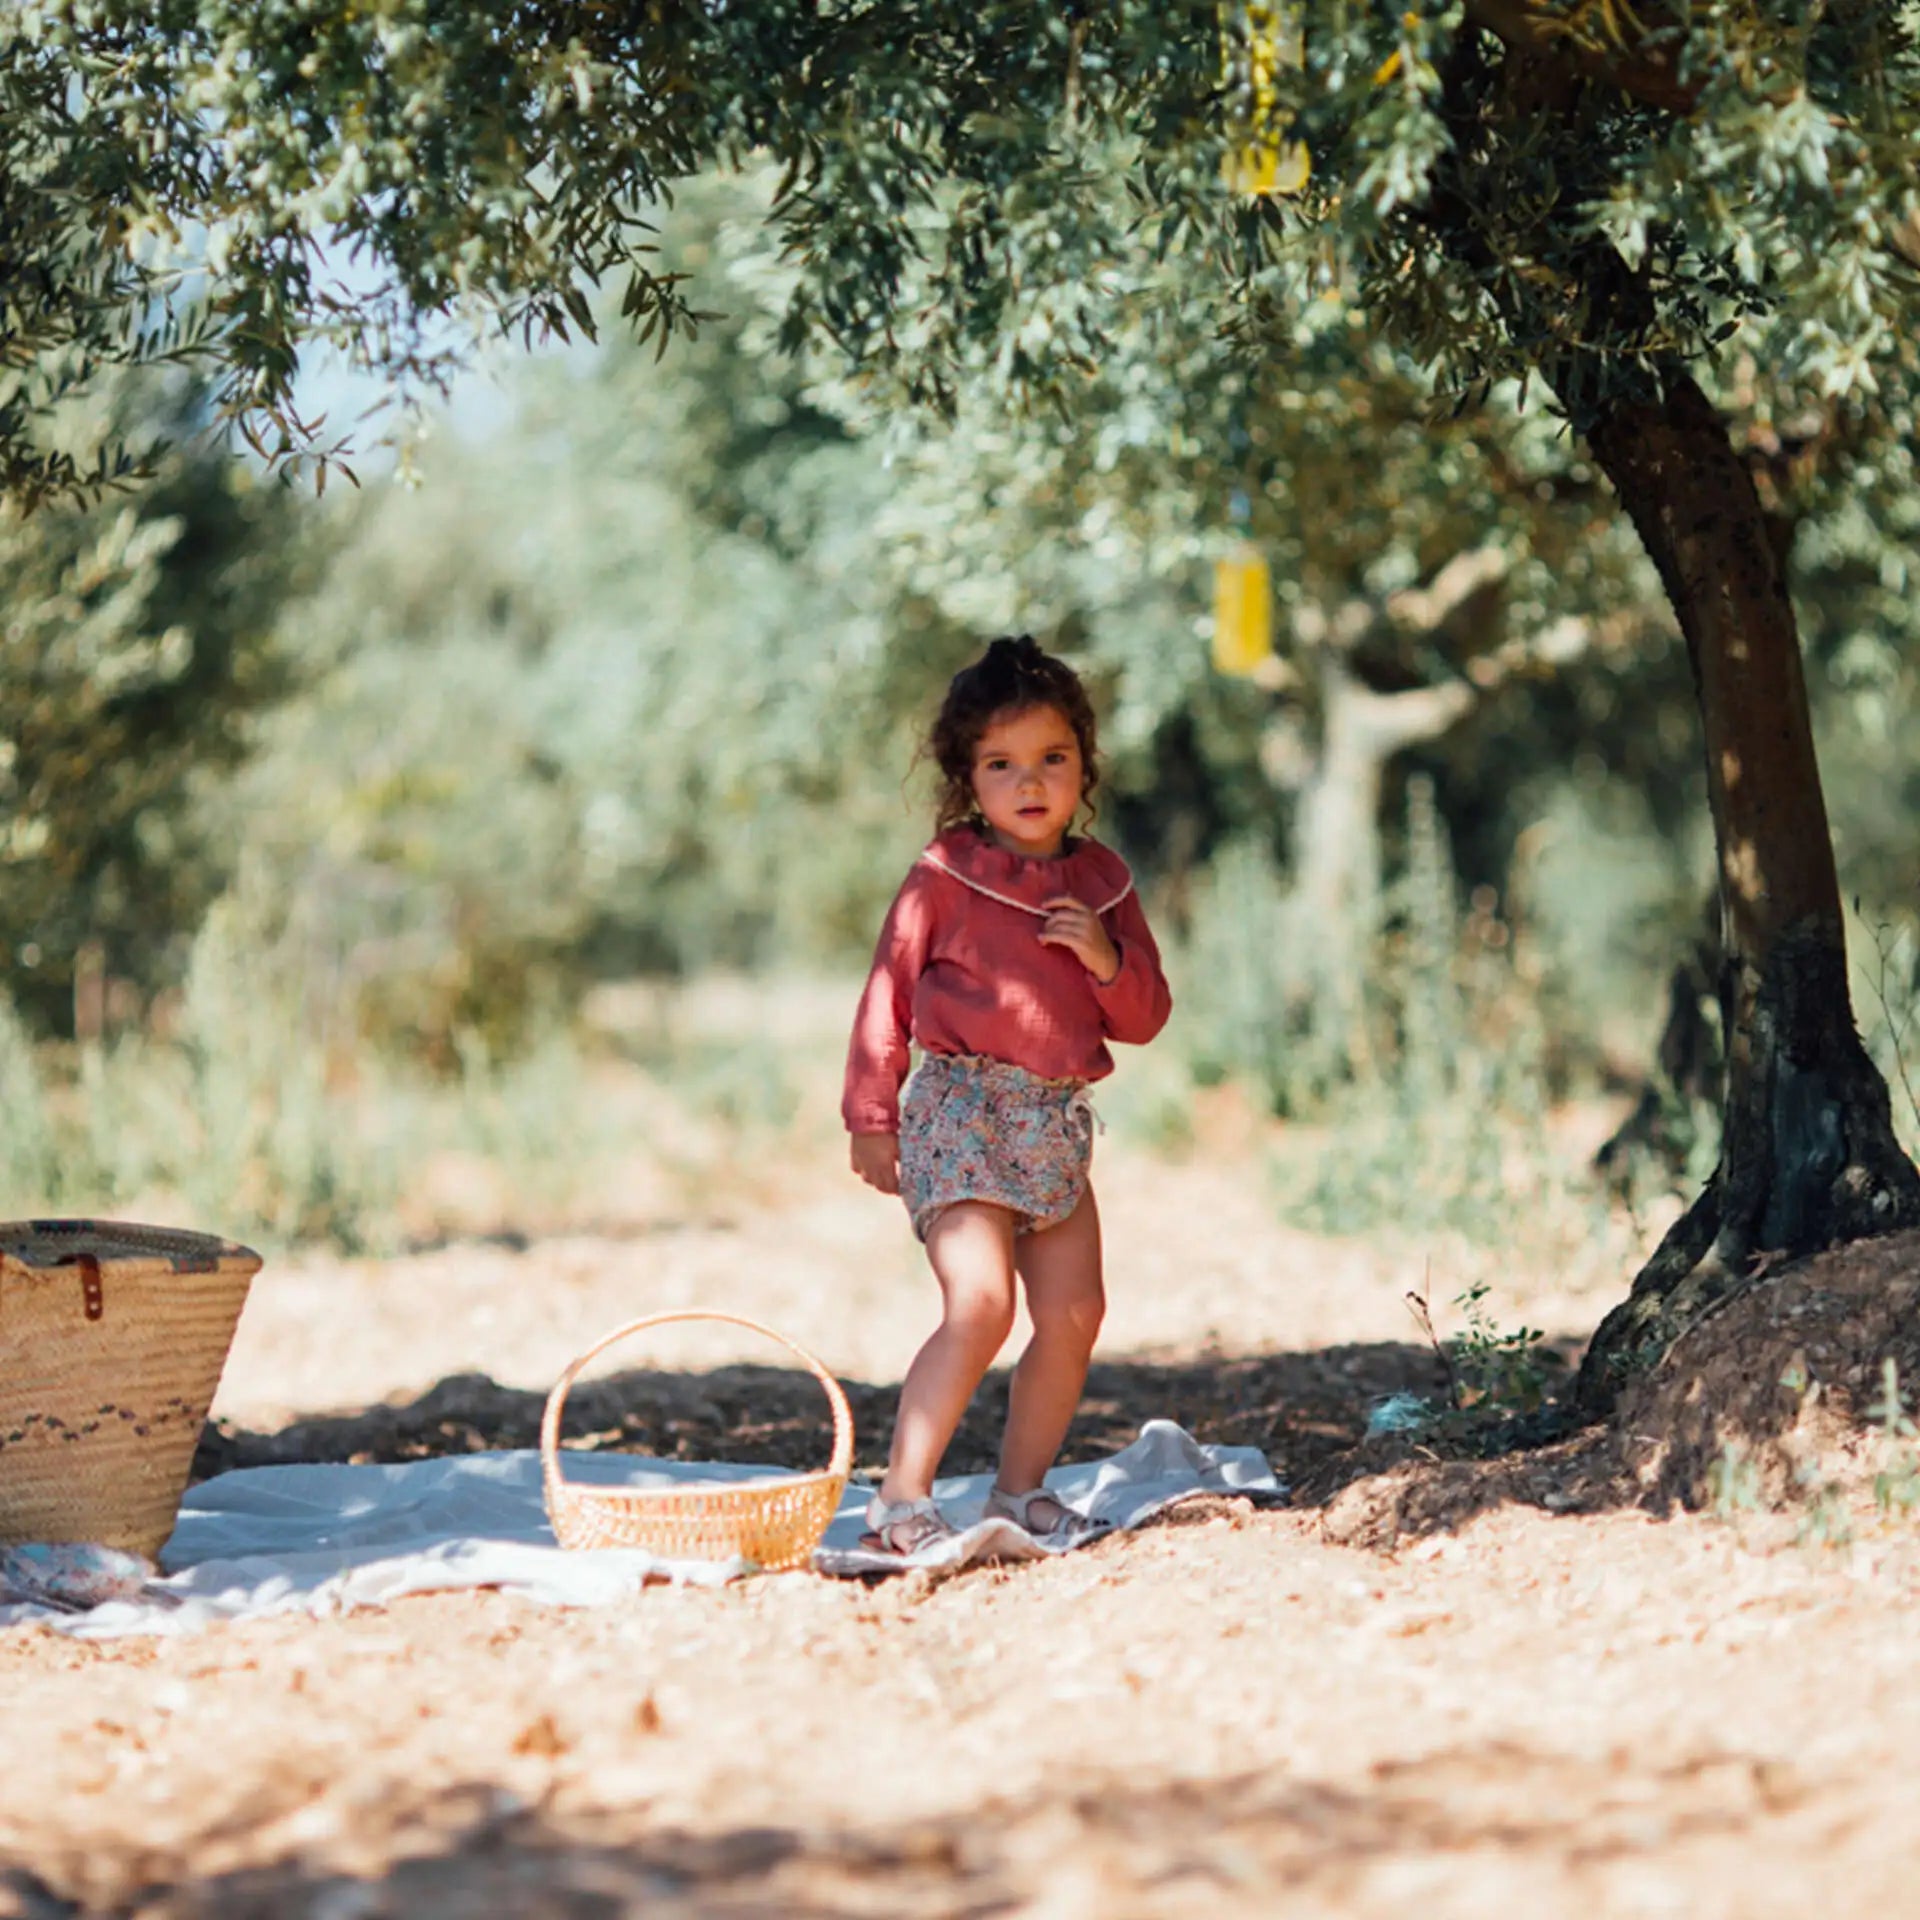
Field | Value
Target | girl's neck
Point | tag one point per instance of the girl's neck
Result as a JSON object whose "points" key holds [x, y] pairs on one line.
{"points": [[1058, 851]]}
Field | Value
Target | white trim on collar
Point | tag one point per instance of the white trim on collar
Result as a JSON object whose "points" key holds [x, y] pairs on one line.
{"points": [[933, 860]]}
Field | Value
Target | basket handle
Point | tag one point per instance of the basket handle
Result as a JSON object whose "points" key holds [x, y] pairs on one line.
{"points": [[836, 1396]]}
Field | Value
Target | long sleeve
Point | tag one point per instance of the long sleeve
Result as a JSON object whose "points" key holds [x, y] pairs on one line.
{"points": [[1135, 1003], [883, 1023]]}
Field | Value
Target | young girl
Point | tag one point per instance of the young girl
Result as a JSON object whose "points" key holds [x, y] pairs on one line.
{"points": [[1014, 951]]}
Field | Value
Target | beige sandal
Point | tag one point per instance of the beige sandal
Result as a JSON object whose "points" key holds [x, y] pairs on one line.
{"points": [[1071, 1529], [904, 1527]]}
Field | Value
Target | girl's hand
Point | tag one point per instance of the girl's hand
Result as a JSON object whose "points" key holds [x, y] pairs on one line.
{"points": [[1072, 924], [876, 1159]]}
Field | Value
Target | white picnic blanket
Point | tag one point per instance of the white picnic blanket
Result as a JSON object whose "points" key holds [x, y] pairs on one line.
{"points": [[329, 1539]]}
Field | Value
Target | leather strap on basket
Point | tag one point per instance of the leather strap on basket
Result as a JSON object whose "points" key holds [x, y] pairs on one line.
{"points": [[92, 1295], [842, 1459]]}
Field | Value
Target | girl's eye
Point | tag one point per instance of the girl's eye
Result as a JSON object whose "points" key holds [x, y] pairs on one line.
{"points": [[1055, 758], [996, 766]]}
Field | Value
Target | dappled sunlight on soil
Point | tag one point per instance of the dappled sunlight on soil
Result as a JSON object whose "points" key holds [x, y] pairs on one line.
{"points": [[1531, 1694], [1606, 1715]]}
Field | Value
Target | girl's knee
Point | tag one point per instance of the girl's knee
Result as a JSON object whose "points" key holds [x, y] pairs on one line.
{"points": [[982, 1318], [980, 1327], [1075, 1318]]}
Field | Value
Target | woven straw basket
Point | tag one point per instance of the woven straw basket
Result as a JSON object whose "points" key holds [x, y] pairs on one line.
{"points": [[112, 1338], [775, 1523]]}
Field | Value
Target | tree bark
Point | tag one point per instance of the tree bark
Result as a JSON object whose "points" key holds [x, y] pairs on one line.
{"points": [[1335, 843], [1336, 833], [1808, 1155]]}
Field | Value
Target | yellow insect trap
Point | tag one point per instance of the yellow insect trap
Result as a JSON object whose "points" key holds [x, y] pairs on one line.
{"points": [[1257, 40], [1242, 611]]}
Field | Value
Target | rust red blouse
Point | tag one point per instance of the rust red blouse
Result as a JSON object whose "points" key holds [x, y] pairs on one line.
{"points": [[960, 969]]}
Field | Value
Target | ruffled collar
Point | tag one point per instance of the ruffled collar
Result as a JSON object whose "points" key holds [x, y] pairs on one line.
{"points": [[1086, 869]]}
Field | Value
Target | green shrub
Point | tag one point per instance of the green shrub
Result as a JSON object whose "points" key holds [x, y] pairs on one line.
{"points": [[29, 1159]]}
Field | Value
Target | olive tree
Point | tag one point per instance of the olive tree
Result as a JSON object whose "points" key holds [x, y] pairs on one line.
{"points": [[1597, 203], [137, 651]]}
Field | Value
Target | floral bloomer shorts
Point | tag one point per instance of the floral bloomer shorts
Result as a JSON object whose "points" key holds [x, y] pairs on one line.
{"points": [[978, 1129]]}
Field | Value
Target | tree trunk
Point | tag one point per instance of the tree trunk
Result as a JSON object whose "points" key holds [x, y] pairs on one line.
{"points": [[1336, 834], [1808, 1154], [1336, 849]]}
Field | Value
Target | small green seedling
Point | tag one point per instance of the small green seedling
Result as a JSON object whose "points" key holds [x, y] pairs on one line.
{"points": [[1733, 1482], [1897, 1484]]}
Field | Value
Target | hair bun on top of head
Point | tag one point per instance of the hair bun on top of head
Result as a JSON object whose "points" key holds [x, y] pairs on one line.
{"points": [[1019, 649], [1014, 664]]}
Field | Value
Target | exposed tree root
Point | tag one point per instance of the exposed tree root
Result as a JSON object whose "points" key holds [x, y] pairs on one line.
{"points": [[1810, 1161]]}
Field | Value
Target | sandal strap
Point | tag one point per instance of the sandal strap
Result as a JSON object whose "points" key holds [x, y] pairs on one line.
{"points": [[1018, 1507], [905, 1526]]}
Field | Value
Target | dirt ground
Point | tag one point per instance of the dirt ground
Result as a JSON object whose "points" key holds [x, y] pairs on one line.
{"points": [[1548, 1697]]}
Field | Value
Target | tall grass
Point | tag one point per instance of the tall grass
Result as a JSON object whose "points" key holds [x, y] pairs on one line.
{"points": [[1433, 1116], [1885, 953], [1254, 1012], [29, 1156], [256, 1108], [244, 1112]]}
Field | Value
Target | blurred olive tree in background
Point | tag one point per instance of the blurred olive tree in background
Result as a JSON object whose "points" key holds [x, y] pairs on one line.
{"points": [[636, 681], [139, 642], [599, 697]]}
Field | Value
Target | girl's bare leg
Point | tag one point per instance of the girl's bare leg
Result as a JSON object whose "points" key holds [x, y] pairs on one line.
{"points": [[971, 1248], [1066, 1302]]}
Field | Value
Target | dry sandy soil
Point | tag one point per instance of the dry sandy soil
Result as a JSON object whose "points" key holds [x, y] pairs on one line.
{"points": [[1536, 1693]]}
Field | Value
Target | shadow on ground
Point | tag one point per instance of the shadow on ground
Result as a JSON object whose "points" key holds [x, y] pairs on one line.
{"points": [[1106, 1844], [1303, 1410], [1308, 1412]]}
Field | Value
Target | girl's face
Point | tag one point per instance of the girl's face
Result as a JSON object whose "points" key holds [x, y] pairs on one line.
{"points": [[1027, 776]]}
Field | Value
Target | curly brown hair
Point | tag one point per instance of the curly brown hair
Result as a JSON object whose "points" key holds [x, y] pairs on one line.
{"points": [[1012, 676]]}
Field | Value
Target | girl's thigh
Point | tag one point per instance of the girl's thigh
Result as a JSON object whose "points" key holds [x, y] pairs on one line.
{"points": [[1061, 1267], [970, 1246]]}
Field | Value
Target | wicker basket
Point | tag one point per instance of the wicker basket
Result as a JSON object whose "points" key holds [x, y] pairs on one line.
{"points": [[775, 1523], [112, 1338]]}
